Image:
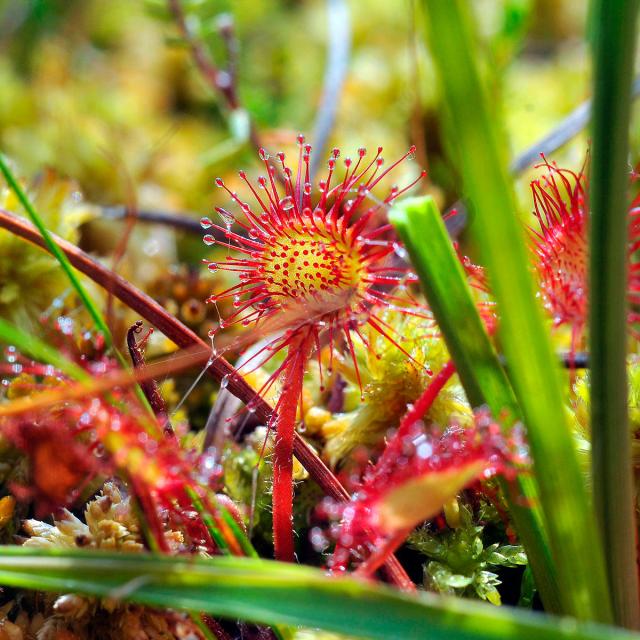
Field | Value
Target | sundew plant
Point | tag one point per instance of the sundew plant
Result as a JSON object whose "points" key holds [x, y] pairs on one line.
{"points": [[255, 385]]}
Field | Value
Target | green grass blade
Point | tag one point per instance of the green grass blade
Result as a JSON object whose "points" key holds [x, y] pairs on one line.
{"points": [[67, 267], [55, 249], [420, 225], [614, 31], [268, 592], [39, 350], [445, 285], [531, 363]]}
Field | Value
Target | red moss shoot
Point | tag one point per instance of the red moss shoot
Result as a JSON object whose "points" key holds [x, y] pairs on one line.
{"points": [[561, 247], [318, 265]]}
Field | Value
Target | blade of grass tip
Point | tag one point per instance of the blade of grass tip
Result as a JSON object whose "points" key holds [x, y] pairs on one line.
{"points": [[239, 534], [209, 521], [268, 592], [531, 364], [40, 351], [614, 35], [60, 256], [445, 286]]}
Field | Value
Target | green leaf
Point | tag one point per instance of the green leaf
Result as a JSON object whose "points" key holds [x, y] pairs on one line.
{"points": [[507, 556], [614, 24], [531, 363], [445, 285], [268, 592]]}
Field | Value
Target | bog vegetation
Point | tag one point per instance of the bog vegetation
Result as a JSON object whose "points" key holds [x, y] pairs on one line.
{"points": [[255, 385]]}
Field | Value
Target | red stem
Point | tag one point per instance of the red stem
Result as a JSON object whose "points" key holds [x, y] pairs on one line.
{"points": [[182, 336], [424, 402], [284, 424], [417, 412], [379, 557]]}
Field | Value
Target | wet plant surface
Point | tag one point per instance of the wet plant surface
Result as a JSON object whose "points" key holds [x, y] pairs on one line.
{"points": [[255, 385]]}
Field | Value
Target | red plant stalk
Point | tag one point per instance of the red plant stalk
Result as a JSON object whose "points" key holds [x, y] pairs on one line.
{"points": [[420, 407], [284, 422]]}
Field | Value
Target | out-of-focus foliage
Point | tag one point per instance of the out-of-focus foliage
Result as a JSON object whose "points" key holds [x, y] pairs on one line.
{"points": [[102, 97], [92, 89]]}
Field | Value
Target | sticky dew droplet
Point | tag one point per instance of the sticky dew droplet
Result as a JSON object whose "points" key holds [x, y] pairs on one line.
{"points": [[286, 203], [226, 217]]}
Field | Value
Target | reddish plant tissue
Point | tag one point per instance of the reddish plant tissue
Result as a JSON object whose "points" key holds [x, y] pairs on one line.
{"points": [[424, 467], [71, 444], [60, 467], [69, 447], [315, 265], [560, 245]]}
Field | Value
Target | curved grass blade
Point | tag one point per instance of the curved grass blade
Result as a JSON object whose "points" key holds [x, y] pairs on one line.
{"points": [[40, 350], [614, 29], [55, 250], [268, 592], [65, 264], [445, 286], [531, 364]]}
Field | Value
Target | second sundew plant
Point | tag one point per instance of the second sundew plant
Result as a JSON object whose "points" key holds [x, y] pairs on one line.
{"points": [[560, 243], [315, 267]]}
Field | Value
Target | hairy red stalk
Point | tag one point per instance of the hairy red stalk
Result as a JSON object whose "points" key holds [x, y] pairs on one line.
{"points": [[284, 424], [150, 514], [181, 335], [418, 410], [380, 555]]}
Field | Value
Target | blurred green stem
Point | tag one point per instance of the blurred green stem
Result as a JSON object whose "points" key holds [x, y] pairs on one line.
{"points": [[269, 592], [445, 285], [531, 363], [614, 34]]}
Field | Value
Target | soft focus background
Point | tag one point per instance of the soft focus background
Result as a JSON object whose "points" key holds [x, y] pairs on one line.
{"points": [[104, 92]]}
